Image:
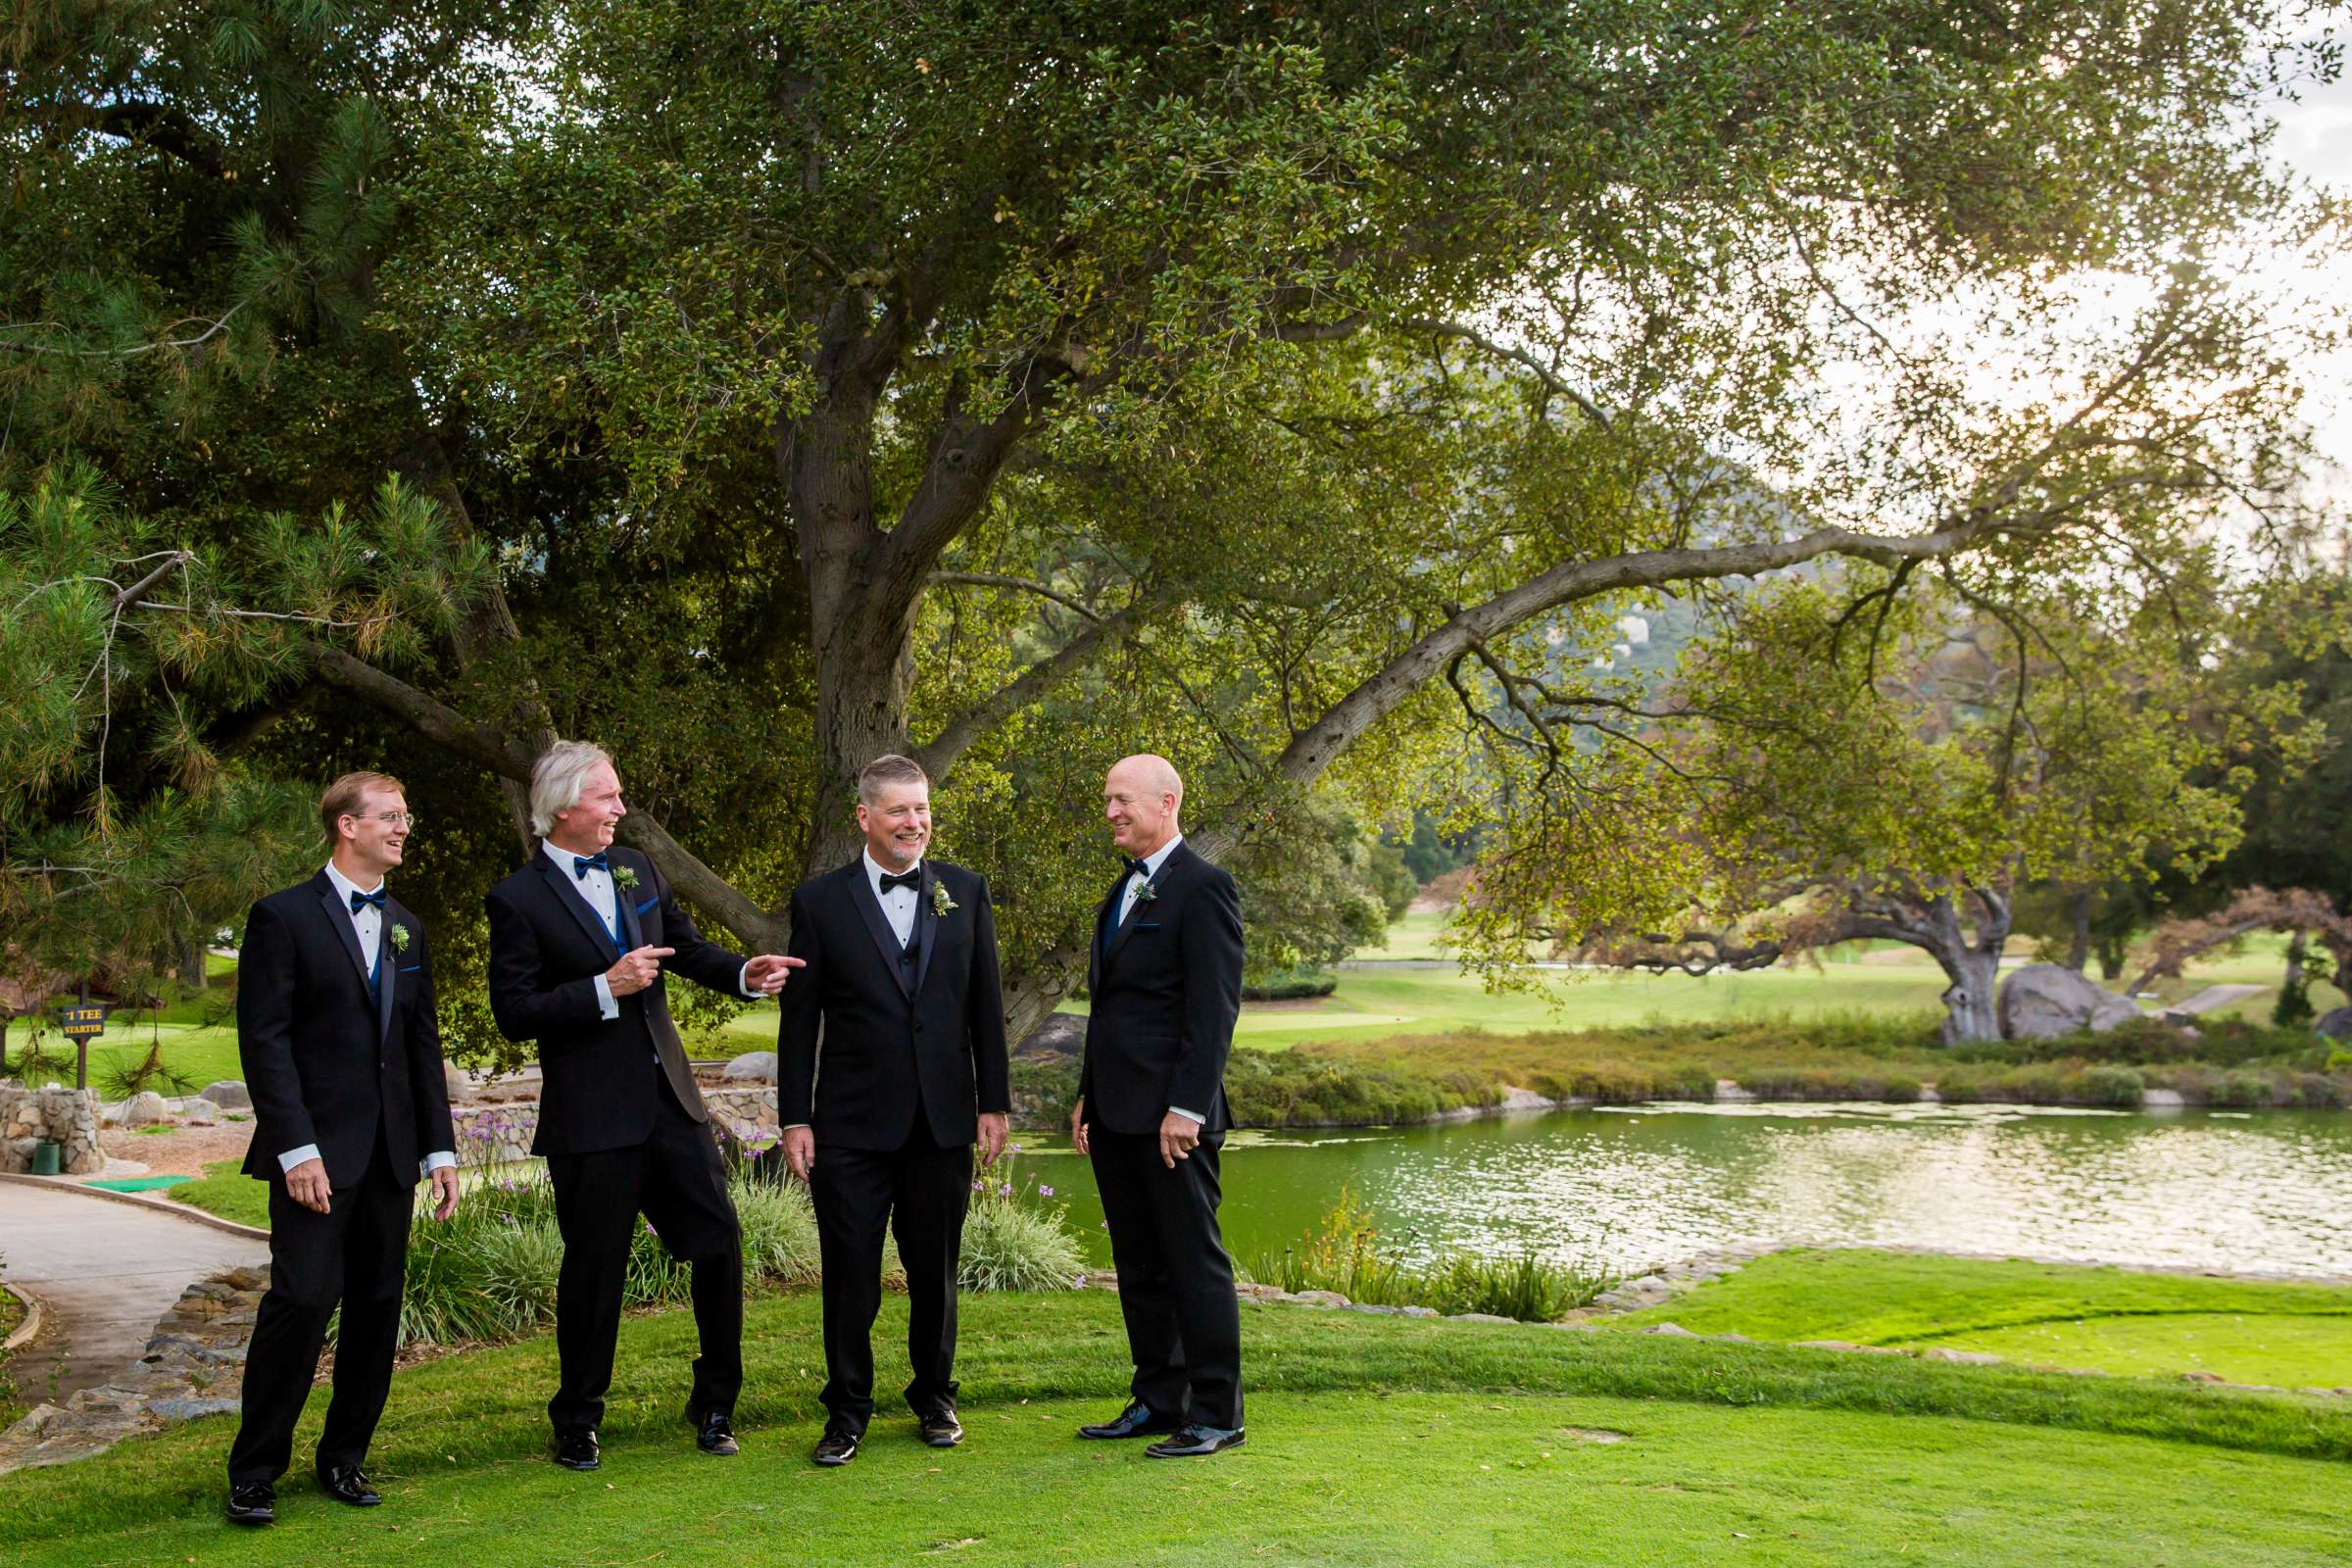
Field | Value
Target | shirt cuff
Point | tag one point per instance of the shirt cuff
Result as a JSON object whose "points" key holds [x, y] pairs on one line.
{"points": [[793, 1126], [295, 1157], [1192, 1117], [743, 982], [604, 999], [438, 1159]]}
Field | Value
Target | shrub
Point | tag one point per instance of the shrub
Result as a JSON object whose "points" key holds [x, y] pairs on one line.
{"points": [[2107, 1084], [2243, 1090], [1009, 1245], [1291, 985]]}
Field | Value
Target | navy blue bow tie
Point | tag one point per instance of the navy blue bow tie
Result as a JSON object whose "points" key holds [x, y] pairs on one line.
{"points": [[359, 900], [1139, 868], [909, 880], [582, 865]]}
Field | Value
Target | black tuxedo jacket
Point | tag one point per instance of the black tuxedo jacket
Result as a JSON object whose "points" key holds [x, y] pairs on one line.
{"points": [[1165, 992], [889, 1028], [326, 1062], [546, 947]]}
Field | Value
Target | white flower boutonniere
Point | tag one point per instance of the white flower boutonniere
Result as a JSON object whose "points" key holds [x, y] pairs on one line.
{"points": [[400, 937], [625, 878], [941, 903], [1147, 893]]}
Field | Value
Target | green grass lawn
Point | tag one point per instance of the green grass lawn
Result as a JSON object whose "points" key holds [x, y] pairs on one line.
{"points": [[224, 1191], [1373, 1440], [2109, 1319]]}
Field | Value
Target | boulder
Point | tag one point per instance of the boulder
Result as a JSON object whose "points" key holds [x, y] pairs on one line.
{"points": [[198, 1112], [751, 1067], [457, 1081], [2335, 1025], [2044, 1001], [145, 1109], [229, 1095]]}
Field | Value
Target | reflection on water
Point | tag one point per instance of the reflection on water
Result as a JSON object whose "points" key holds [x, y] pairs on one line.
{"points": [[1627, 1187]]}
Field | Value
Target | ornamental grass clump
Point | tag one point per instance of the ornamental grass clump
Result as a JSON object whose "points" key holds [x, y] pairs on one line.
{"points": [[1343, 1254], [1011, 1241]]}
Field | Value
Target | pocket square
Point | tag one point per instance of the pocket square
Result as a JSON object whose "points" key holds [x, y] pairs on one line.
{"points": [[647, 905], [410, 968], [1147, 925]]}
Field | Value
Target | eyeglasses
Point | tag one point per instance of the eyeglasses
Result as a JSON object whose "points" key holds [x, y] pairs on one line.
{"points": [[401, 819]]}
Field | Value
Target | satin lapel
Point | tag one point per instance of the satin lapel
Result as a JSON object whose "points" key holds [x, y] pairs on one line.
{"points": [[1097, 948], [338, 916], [624, 904], [877, 924], [926, 927], [387, 967], [572, 899], [1135, 917]]}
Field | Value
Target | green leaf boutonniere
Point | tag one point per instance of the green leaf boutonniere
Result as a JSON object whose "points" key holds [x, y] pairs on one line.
{"points": [[624, 878], [400, 937], [941, 903], [1147, 893]]}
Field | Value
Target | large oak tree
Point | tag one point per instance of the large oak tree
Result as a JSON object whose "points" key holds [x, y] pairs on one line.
{"points": [[1018, 384]]}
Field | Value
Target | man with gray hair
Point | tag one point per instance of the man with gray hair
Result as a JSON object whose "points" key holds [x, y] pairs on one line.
{"points": [[580, 939]]}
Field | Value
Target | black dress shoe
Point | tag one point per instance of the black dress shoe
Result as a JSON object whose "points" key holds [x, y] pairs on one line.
{"points": [[1138, 1420], [345, 1484], [714, 1431], [252, 1502], [837, 1447], [575, 1449], [1195, 1442], [940, 1428]]}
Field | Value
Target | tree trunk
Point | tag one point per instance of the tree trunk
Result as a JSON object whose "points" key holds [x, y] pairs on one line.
{"points": [[192, 965], [2078, 951], [1974, 967]]}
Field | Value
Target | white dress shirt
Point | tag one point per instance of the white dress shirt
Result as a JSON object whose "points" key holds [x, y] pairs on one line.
{"points": [[369, 922], [898, 903], [1127, 902], [595, 886]]}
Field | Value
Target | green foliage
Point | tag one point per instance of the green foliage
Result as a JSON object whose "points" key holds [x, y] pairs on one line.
{"points": [[1015, 1238], [1291, 985]]}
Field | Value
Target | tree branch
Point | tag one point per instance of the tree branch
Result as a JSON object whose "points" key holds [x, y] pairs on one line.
{"points": [[938, 756]]}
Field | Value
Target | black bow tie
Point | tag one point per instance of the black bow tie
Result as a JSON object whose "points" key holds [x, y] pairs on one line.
{"points": [[359, 900], [1139, 868], [582, 865], [909, 880]]}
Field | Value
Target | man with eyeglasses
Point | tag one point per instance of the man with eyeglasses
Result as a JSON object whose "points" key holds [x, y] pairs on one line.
{"points": [[342, 1058]]}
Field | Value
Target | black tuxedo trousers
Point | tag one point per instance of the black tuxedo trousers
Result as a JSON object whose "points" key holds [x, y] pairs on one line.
{"points": [[677, 1181], [921, 1192], [356, 1253], [1184, 1324]]}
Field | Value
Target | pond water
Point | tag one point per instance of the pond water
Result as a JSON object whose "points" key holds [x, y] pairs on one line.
{"points": [[1625, 1188]]}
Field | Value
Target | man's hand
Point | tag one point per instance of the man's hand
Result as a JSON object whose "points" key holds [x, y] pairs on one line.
{"points": [[800, 1151], [445, 1191], [767, 972], [1178, 1137], [1078, 1126], [993, 1128], [638, 968], [306, 1184]]}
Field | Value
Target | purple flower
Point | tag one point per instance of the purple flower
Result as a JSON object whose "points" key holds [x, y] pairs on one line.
{"points": [[649, 1228], [1013, 1148], [1004, 1191], [1044, 1190], [1082, 1282], [979, 1186]]}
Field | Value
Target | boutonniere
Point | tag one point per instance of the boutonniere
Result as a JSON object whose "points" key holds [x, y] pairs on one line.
{"points": [[941, 903], [1147, 893], [624, 878], [400, 937]]}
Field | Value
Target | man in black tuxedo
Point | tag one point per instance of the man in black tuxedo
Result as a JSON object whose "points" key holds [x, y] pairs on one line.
{"points": [[580, 939], [1165, 983], [342, 1057], [903, 993]]}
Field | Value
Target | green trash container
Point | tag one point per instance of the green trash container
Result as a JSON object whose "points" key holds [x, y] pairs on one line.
{"points": [[44, 1159]]}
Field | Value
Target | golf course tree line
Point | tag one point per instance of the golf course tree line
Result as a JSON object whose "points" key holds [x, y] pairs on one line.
{"points": [[1006, 384]]}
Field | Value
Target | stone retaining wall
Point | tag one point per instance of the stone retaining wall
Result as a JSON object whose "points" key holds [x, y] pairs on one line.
{"points": [[67, 1117]]}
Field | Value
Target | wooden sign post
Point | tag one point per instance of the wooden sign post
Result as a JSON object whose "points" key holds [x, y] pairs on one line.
{"points": [[83, 1024]]}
